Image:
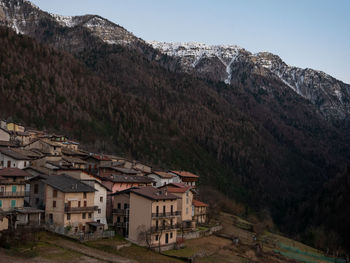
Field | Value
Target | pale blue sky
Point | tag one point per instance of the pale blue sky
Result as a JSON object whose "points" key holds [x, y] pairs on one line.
{"points": [[304, 33]]}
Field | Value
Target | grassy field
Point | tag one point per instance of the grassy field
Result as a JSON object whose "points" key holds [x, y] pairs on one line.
{"points": [[137, 253]]}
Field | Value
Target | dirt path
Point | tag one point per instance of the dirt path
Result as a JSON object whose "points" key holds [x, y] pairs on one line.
{"points": [[91, 252]]}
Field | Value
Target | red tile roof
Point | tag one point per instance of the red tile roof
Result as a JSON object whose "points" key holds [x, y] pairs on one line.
{"points": [[13, 172], [101, 157], [198, 203], [185, 174]]}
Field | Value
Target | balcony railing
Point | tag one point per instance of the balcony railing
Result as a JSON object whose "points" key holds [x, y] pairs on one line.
{"points": [[168, 214], [122, 212], [155, 229], [14, 194], [68, 209]]}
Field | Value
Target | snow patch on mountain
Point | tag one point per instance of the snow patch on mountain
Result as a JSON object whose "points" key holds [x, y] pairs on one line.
{"points": [[64, 20]]}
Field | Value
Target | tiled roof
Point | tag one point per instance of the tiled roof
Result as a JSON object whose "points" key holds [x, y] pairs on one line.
{"points": [[185, 174], [7, 144], [130, 179], [164, 174], [100, 157], [28, 153], [39, 169], [198, 203], [13, 154], [68, 184], [71, 152], [126, 170], [73, 160], [13, 172], [152, 193], [177, 190]]}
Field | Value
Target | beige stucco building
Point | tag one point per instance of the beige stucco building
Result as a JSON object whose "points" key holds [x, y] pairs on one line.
{"points": [[70, 204], [184, 203], [149, 216]]}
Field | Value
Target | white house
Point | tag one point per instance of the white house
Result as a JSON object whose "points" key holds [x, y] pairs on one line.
{"points": [[163, 178], [12, 159]]}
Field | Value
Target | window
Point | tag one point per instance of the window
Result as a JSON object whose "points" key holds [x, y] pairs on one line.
{"points": [[90, 215], [84, 215], [99, 211], [118, 219], [98, 221], [187, 200], [2, 163], [25, 164], [13, 203], [54, 193], [36, 201], [14, 189], [171, 235], [154, 184], [101, 199], [54, 204], [78, 203], [85, 204], [84, 195], [164, 209], [68, 216], [157, 237], [69, 204], [8, 164], [172, 209], [2, 189], [14, 164], [0, 203], [83, 228], [125, 206], [119, 205], [36, 189]]}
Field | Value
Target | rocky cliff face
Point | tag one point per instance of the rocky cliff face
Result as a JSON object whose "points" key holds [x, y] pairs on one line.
{"points": [[24, 17], [224, 63]]}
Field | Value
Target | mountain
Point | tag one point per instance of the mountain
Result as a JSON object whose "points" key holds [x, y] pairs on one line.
{"points": [[255, 140], [330, 96]]}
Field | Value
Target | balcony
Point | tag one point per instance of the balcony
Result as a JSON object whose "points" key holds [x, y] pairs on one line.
{"points": [[122, 212], [155, 229], [14, 194], [168, 214], [82, 209]]}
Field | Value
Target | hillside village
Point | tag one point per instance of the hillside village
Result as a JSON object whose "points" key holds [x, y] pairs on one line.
{"points": [[47, 181]]}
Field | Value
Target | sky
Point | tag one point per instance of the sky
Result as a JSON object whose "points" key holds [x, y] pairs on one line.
{"points": [[304, 33]]}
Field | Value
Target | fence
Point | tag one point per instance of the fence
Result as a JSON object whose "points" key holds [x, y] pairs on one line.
{"points": [[304, 256]]}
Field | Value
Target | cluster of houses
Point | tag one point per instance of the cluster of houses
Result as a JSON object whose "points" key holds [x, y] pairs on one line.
{"points": [[47, 180]]}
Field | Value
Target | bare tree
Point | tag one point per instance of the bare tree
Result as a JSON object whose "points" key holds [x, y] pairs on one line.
{"points": [[144, 236]]}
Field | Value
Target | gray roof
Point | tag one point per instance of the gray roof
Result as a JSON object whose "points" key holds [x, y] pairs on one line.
{"points": [[68, 184], [152, 193], [130, 179], [125, 170], [13, 154]]}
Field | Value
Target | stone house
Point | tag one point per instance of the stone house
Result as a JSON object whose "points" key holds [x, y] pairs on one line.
{"points": [[187, 177], [13, 159]]}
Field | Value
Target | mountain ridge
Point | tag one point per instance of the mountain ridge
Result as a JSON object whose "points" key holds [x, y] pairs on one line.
{"points": [[255, 139], [332, 96]]}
